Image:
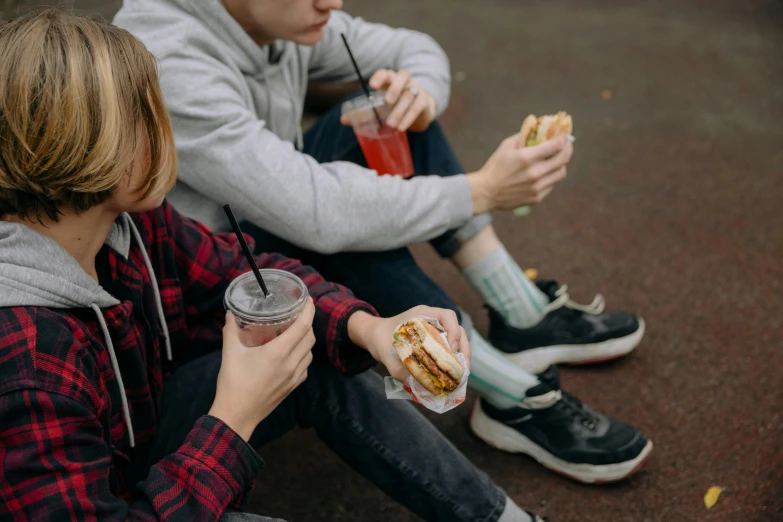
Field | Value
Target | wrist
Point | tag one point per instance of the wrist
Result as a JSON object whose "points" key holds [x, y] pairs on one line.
{"points": [[241, 427], [360, 324], [480, 192]]}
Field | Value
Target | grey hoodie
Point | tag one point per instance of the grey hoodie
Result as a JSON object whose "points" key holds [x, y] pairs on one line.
{"points": [[236, 118], [37, 271]]}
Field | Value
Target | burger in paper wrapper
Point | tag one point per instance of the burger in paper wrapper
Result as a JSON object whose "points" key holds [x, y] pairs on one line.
{"points": [[536, 130], [438, 376]]}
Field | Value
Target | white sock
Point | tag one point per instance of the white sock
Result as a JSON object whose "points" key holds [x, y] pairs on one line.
{"points": [[506, 288], [513, 513], [502, 383]]}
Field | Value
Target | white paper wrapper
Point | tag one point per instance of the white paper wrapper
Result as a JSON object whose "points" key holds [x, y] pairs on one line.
{"points": [[411, 390]]}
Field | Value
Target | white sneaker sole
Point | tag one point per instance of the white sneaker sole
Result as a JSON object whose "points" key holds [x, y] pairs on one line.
{"points": [[507, 439], [536, 360]]}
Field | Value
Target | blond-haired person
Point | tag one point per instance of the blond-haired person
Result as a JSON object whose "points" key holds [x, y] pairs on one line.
{"points": [[116, 400]]}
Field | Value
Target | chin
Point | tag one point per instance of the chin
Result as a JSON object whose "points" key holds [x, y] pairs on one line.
{"points": [[311, 37]]}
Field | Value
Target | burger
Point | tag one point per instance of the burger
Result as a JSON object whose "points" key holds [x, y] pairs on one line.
{"points": [[539, 129], [427, 356]]}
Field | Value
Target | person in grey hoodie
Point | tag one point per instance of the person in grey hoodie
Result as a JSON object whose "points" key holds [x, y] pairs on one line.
{"points": [[235, 74], [125, 392]]}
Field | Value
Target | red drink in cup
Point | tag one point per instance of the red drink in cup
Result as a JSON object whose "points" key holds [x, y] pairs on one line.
{"points": [[261, 319], [385, 149]]}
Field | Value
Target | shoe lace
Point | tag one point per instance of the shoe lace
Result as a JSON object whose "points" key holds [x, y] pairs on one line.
{"points": [[575, 408], [563, 300]]}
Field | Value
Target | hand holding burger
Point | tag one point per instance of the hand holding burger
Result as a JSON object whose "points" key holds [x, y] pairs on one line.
{"points": [[377, 334], [525, 167], [427, 356]]}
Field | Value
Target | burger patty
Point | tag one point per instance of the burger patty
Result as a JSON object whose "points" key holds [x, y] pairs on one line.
{"points": [[429, 363]]}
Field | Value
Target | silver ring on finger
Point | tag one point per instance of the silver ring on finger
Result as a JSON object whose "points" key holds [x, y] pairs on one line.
{"points": [[413, 90]]}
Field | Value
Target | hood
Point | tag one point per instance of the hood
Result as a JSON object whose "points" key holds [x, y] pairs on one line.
{"points": [[248, 55], [37, 271], [208, 26]]}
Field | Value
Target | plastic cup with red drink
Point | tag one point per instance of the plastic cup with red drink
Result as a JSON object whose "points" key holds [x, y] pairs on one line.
{"points": [[261, 319], [385, 149]]}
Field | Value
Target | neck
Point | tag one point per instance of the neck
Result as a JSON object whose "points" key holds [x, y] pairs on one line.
{"points": [[238, 11], [81, 235]]}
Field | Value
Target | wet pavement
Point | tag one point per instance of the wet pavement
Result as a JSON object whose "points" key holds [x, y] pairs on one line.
{"points": [[671, 209]]}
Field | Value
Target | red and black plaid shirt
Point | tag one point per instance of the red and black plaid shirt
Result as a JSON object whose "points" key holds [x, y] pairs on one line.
{"points": [[64, 448]]}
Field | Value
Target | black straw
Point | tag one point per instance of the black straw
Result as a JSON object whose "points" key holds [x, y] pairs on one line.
{"points": [[246, 249], [361, 79]]}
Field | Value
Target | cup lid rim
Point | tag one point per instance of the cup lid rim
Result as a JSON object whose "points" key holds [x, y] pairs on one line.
{"points": [[254, 316]]}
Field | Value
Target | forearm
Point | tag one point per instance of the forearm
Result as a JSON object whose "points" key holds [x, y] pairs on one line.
{"points": [[330, 207]]}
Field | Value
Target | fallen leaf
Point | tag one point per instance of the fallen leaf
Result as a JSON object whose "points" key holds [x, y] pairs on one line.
{"points": [[711, 497], [606, 95], [531, 273]]}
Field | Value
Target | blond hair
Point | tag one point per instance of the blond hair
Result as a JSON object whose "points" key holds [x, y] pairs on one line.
{"points": [[79, 103]]}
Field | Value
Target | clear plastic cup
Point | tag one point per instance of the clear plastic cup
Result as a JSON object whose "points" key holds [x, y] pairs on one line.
{"points": [[386, 150], [261, 319]]}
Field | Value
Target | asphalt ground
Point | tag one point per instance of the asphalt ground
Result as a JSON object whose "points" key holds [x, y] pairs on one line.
{"points": [[671, 209]]}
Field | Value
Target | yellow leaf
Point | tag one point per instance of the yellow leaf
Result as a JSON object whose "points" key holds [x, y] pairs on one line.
{"points": [[531, 274], [711, 497]]}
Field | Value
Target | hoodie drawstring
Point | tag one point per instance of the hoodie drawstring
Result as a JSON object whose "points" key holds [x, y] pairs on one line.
{"points": [[110, 346], [116, 367], [291, 91], [155, 291]]}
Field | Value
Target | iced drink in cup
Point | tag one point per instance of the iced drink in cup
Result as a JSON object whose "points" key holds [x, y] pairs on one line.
{"points": [[261, 319], [385, 149]]}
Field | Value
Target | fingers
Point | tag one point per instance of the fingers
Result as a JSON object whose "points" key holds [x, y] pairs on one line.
{"points": [[393, 364], [231, 324], [401, 109], [556, 162], [381, 79], [447, 319], [419, 106], [300, 374], [230, 332], [397, 86], [541, 195], [546, 149], [464, 347], [510, 146], [546, 183], [301, 326], [399, 372], [304, 346]]}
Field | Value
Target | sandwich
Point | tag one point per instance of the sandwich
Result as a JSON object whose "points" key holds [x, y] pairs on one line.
{"points": [[536, 130], [427, 356]]}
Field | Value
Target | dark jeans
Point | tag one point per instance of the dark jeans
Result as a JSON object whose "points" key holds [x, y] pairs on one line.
{"points": [[389, 442], [391, 281]]}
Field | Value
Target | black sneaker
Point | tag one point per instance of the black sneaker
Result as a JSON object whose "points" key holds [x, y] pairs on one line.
{"points": [[564, 435], [569, 333]]}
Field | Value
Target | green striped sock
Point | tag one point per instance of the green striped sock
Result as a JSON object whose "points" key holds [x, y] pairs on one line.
{"points": [[494, 377], [506, 288]]}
